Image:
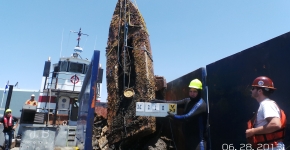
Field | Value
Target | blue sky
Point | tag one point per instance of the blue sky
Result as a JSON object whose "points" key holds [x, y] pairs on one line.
{"points": [[185, 34]]}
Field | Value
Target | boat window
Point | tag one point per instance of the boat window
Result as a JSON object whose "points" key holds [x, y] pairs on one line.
{"points": [[63, 66], [55, 71], [86, 68], [75, 67]]}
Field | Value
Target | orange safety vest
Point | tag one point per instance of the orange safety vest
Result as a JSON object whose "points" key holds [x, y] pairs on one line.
{"points": [[28, 102], [7, 121], [269, 138]]}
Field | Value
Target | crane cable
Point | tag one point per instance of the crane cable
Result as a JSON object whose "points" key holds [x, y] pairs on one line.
{"points": [[125, 41]]}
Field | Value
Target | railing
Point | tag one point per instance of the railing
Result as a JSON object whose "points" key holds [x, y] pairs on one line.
{"points": [[65, 81]]}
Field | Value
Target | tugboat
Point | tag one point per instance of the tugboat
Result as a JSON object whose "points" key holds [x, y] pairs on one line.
{"points": [[64, 95], [59, 96]]}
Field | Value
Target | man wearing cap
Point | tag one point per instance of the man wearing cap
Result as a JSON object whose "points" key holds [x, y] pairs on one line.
{"points": [[10, 123], [31, 101]]}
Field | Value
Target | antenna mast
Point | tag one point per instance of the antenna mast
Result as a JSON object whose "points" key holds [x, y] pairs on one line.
{"points": [[78, 49]]}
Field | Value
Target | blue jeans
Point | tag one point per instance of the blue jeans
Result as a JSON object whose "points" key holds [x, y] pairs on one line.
{"points": [[8, 139]]}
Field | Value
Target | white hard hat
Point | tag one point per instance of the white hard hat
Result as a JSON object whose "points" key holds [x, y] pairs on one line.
{"points": [[33, 95]]}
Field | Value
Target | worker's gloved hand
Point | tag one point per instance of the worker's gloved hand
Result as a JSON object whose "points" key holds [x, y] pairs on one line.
{"points": [[170, 115], [157, 101]]}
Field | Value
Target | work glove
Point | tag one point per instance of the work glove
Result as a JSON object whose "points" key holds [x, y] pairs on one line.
{"points": [[157, 101], [170, 115]]}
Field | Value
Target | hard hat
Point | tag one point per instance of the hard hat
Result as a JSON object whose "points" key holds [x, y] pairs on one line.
{"points": [[33, 95], [263, 82], [195, 84], [8, 110]]}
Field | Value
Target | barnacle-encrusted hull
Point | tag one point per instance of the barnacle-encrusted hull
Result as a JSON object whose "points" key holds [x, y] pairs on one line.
{"points": [[129, 66]]}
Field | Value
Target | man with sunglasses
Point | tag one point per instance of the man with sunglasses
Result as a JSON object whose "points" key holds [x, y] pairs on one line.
{"points": [[194, 117], [266, 130], [10, 123]]}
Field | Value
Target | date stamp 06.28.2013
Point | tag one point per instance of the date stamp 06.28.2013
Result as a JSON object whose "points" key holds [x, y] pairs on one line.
{"points": [[244, 146]]}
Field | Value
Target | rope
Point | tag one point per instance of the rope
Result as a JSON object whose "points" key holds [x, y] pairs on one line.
{"points": [[129, 68], [125, 41], [142, 22], [119, 30], [113, 45]]}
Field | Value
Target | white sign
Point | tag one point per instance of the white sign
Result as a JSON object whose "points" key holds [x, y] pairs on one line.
{"points": [[155, 109], [148, 107], [140, 106], [164, 107]]}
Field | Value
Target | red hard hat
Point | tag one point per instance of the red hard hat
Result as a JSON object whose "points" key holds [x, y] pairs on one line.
{"points": [[263, 82]]}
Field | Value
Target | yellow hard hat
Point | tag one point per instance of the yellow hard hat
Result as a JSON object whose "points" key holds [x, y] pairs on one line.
{"points": [[8, 110], [195, 84]]}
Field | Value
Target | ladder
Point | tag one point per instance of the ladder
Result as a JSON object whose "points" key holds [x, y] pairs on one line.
{"points": [[71, 136]]}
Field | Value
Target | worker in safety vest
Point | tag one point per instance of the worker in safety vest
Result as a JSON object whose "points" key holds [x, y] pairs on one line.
{"points": [[194, 117], [266, 130], [10, 123], [31, 101]]}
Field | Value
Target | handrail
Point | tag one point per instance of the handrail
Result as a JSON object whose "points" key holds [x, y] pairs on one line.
{"points": [[69, 73], [57, 81]]}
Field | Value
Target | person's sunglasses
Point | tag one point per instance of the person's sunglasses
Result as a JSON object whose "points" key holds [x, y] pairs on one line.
{"points": [[253, 88]]}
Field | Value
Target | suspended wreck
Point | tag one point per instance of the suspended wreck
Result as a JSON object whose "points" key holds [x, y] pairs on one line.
{"points": [[130, 75]]}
